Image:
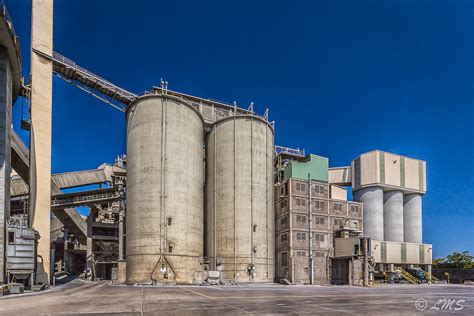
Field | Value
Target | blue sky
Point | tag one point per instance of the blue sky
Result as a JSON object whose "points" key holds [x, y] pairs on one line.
{"points": [[340, 78]]}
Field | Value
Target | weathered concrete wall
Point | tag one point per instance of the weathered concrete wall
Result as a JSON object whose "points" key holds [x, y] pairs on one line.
{"points": [[5, 168], [41, 129], [165, 180], [455, 275], [122, 272]]}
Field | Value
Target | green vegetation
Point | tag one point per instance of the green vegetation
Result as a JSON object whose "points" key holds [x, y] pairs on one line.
{"points": [[462, 260]]}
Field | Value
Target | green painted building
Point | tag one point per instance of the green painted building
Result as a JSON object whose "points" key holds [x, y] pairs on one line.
{"points": [[316, 165]]}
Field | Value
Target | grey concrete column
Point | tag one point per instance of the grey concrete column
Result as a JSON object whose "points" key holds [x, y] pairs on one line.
{"points": [[120, 233], [41, 132], [412, 218], [5, 159], [381, 267], [373, 211], [89, 254], [393, 215]]}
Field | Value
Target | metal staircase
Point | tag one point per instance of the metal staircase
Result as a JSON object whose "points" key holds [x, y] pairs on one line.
{"points": [[407, 276]]}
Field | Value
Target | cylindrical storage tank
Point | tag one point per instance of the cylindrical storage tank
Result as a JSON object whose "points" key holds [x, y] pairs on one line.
{"points": [[372, 198], [393, 215], [412, 218], [240, 233], [165, 182]]}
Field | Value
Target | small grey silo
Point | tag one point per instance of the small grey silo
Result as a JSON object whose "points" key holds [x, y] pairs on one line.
{"points": [[412, 217], [372, 197], [393, 215]]}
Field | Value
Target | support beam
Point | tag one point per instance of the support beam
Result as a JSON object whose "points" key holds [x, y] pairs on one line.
{"points": [[41, 130], [5, 158]]}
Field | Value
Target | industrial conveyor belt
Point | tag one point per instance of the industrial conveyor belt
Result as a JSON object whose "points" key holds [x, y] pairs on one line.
{"points": [[89, 82]]}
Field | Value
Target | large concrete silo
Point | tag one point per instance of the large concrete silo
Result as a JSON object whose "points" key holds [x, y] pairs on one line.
{"points": [[372, 197], [393, 215], [165, 178], [239, 199], [412, 218]]}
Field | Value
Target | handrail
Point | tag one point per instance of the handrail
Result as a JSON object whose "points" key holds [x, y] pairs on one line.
{"points": [[18, 143], [70, 63], [80, 199], [291, 151], [89, 82]]}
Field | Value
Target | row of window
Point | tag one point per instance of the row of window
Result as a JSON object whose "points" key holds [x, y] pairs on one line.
{"points": [[301, 236], [354, 208], [301, 219], [302, 187], [318, 220], [320, 205], [302, 253], [284, 256]]}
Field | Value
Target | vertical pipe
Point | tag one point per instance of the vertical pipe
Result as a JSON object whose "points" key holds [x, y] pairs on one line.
{"points": [[266, 201], [310, 235], [251, 201], [162, 171], [214, 228], [235, 206]]}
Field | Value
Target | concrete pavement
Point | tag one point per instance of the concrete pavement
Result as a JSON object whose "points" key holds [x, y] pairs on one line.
{"points": [[81, 297]]}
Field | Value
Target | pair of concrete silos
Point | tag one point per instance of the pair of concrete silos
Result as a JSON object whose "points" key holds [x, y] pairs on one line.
{"points": [[391, 215], [193, 193]]}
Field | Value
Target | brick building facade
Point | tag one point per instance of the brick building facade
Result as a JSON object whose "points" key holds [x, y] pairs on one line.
{"points": [[292, 231]]}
